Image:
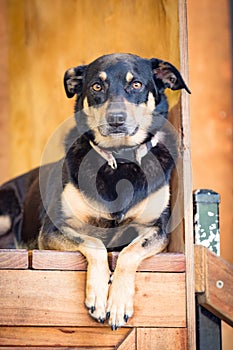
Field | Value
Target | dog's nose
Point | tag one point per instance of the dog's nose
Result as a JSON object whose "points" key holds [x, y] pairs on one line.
{"points": [[116, 118]]}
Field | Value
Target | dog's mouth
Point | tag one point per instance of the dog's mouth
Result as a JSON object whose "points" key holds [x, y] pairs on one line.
{"points": [[117, 131]]}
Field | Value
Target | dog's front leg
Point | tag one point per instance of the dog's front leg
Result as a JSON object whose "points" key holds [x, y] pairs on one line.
{"points": [[98, 276], [121, 292], [98, 273]]}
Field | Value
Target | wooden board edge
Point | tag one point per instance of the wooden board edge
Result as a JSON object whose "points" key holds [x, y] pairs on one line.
{"points": [[14, 259], [187, 179], [57, 260], [164, 262], [75, 261], [80, 337], [218, 278], [200, 268]]}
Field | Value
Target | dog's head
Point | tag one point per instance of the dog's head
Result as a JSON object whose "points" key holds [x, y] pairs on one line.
{"points": [[120, 97]]}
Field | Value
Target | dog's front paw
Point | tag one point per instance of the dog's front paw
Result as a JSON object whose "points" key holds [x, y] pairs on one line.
{"points": [[96, 293], [120, 301]]}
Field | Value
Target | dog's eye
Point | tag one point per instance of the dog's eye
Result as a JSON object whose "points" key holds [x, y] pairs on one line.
{"points": [[137, 85], [97, 87]]}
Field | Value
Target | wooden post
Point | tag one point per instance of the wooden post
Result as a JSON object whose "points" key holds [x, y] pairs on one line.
{"points": [[187, 180]]}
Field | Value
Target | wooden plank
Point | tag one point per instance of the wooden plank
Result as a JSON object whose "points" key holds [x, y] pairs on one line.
{"points": [[187, 179], [75, 261], [57, 348], [13, 259], [56, 337], [4, 95], [200, 269], [217, 295], [56, 260], [56, 298], [164, 262], [218, 104], [160, 300], [162, 338]]}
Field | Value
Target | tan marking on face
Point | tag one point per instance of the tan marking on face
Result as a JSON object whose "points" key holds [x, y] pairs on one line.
{"points": [[71, 71], [85, 103], [150, 102], [103, 76], [137, 116], [151, 207], [129, 77]]}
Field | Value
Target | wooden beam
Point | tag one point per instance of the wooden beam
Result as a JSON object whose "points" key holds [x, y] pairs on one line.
{"points": [[63, 336], [214, 280], [56, 260], [4, 93], [13, 259], [187, 179], [56, 298], [74, 261]]}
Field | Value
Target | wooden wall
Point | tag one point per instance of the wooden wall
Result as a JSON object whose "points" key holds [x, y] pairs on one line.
{"points": [[47, 37], [211, 106], [210, 57], [4, 95]]}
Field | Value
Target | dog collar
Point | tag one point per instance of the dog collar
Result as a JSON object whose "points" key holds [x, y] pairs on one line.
{"points": [[140, 152], [108, 156]]}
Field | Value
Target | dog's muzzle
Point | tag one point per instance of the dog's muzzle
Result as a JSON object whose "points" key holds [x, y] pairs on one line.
{"points": [[116, 125], [116, 119], [116, 122]]}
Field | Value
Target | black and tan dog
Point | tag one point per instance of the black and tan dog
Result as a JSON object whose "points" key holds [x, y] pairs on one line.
{"points": [[112, 187]]}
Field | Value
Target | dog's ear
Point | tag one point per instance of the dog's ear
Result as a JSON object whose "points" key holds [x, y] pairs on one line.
{"points": [[73, 80], [167, 76]]}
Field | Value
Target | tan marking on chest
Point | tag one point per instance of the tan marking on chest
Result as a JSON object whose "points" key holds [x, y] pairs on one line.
{"points": [[75, 205], [78, 208], [151, 207]]}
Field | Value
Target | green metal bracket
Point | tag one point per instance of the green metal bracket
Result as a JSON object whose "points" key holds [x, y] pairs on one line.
{"points": [[206, 219]]}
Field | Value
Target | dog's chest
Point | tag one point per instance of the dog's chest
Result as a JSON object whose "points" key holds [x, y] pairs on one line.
{"points": [[102, 196], [80, 209]]}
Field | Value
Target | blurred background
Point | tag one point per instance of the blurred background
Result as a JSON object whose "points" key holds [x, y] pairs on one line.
{"points": [[210, 71], [40, 39]]}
